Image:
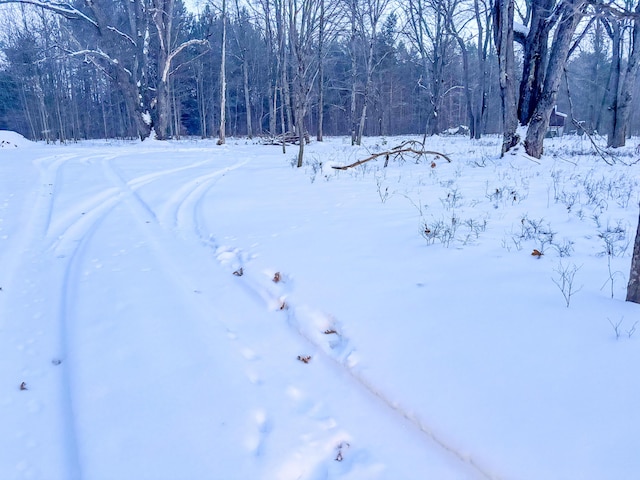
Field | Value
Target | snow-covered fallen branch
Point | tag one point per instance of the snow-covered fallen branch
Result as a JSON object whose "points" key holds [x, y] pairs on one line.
{"points": [[409, 147]]}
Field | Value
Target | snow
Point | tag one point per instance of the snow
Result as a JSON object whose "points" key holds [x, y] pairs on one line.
{"points": [[139, 305], [521, 29], [10, 140]]}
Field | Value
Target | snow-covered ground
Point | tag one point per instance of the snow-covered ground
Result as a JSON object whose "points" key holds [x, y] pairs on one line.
{"points": [[180, 310]]}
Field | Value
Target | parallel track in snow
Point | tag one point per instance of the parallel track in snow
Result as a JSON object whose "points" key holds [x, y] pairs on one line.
{"points": [[68, 238], [71, 233]]}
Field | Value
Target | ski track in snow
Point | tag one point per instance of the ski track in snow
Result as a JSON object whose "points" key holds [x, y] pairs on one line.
{"points": [[69, 237], [71, 232]]}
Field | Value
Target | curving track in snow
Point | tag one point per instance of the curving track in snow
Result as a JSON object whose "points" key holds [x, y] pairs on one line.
{"points": [[81, 200]]}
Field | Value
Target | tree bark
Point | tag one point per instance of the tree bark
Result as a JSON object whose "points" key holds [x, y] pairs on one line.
{"points": [[625, 97], [503, 33], [223, 77], [354, 73], [633, 288], [242, 47], [247, 95], [482, 47], [163, 19], [610, 99], [571, 15], [321, 34], [535, 58]]}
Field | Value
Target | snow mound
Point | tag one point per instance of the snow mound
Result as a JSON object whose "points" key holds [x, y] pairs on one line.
{"points": [[10, 139]]}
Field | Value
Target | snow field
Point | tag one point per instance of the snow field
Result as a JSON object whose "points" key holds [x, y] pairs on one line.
{"points": [[410, 332]]}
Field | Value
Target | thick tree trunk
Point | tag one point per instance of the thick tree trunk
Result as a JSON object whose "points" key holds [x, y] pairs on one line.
{"points": [[132, 100], [535, 58], [610, 99], [301, 142], [570, 17], [625, 97], [633, 288], [161, 124], [503, 32]]}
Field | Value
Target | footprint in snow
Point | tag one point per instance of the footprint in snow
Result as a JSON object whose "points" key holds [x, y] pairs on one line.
{"points": [[260, 429]]}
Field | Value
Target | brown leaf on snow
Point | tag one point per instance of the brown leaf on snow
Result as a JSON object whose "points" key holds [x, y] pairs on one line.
{"points": [[304, 358], [536, 253], [277, 278]]}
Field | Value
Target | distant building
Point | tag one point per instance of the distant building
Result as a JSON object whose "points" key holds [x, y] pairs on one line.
{"points": [[556, 123]]}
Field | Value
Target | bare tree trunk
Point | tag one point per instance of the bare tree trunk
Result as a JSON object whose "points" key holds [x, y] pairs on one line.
{"points": [[625, 97], [452, 30], [321, 33], [354, 73], [483, 48], [633, 288], [223, 77], [274, 68], [610, 99], [247, 95], [369, 18], [535, 58], [163, 19], [285, 94], [571, 15], [282, 124], [503, 32], [273, 101], [241, 44], [202, 105]]}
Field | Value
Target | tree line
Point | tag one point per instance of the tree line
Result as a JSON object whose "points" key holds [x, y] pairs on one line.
{"points": [[118, 69]]}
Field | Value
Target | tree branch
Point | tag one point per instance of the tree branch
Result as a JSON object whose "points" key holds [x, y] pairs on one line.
{"points": [[64, 9], [398, 151]]}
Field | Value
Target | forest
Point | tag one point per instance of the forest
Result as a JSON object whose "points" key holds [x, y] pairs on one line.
{"points": [[118, 69]]}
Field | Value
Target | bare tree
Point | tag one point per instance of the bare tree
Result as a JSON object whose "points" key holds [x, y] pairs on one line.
{"points": [[454, 25], [624, 97], [353, 49], [482, 15], [223, 77], [162, 13], [242, 26], [503, 12], [570, 12], [369, 21], [535, 46], [303, 28], [633, 288], [121, 50], [426, 30]]}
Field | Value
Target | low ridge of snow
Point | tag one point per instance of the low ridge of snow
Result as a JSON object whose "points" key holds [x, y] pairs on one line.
{"points": [[10, 140]]}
